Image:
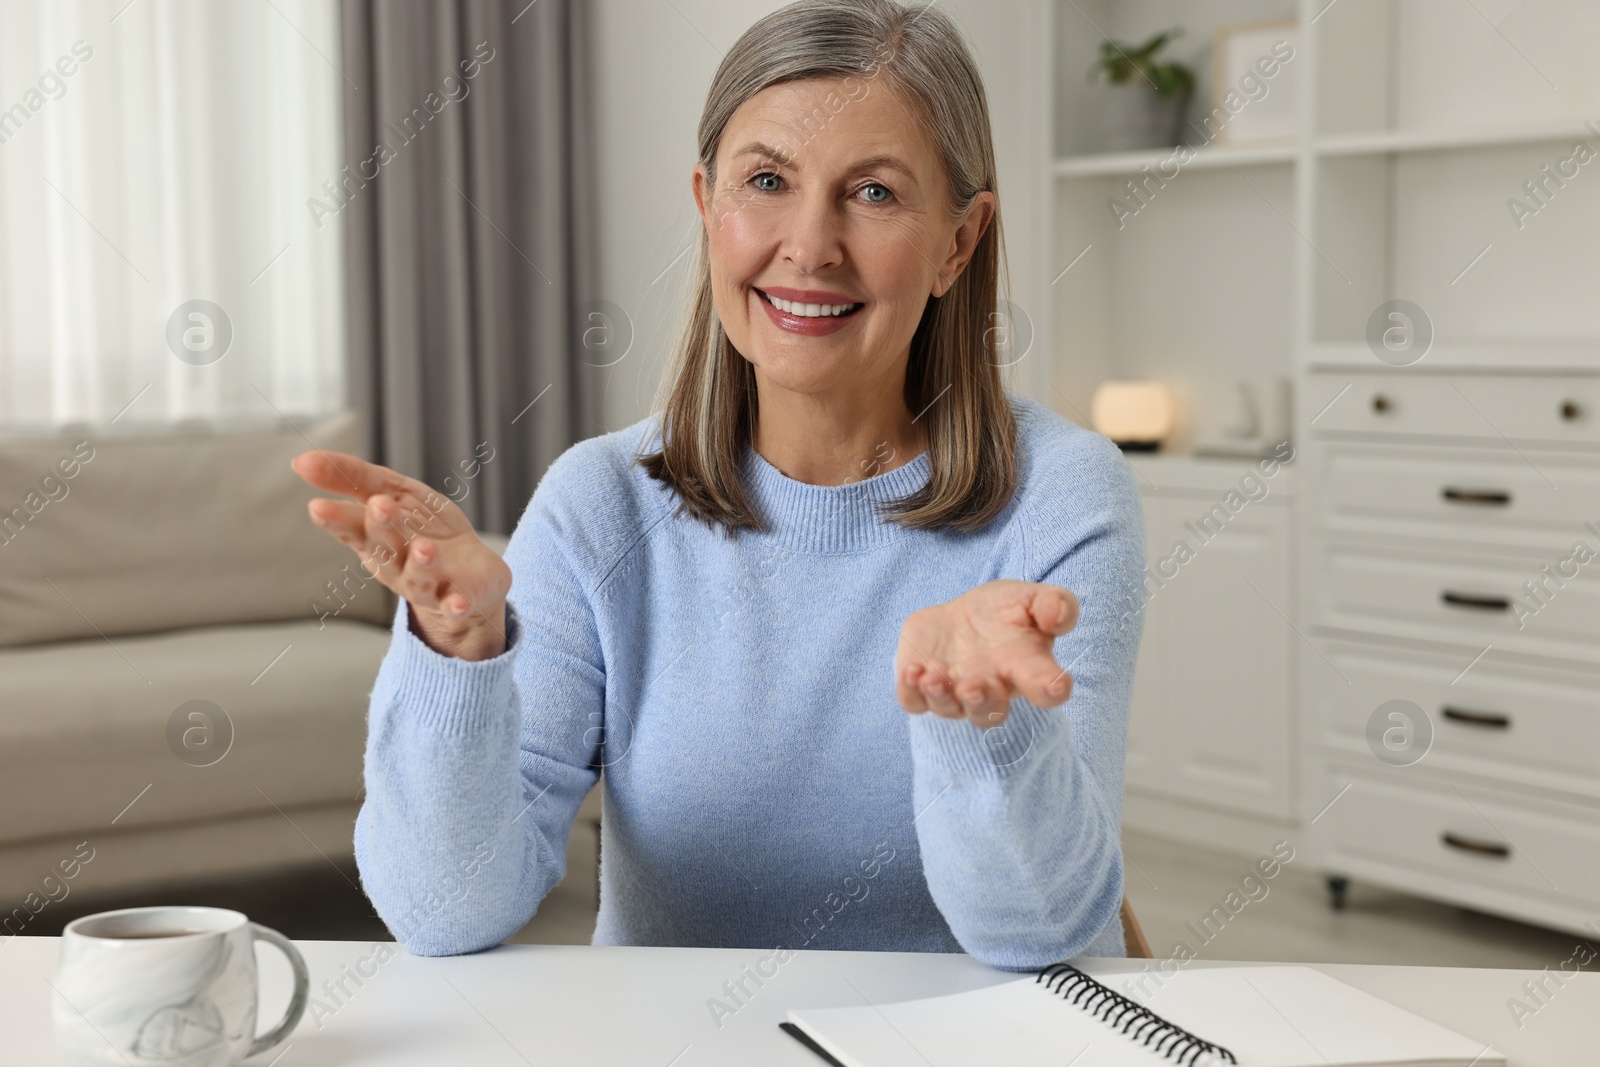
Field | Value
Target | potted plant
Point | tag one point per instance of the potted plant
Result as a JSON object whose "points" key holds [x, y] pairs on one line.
{"points": [[1147, 110]]}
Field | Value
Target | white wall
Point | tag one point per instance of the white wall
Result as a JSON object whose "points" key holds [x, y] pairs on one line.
{"points": [[655, 59]]}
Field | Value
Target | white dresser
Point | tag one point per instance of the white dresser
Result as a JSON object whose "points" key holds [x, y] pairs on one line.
{"points": [[1420, 258], [1211, 727], [1450, 686]]}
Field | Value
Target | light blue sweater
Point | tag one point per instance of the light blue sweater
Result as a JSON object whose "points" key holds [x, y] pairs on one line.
{"points": [[762, 787]]}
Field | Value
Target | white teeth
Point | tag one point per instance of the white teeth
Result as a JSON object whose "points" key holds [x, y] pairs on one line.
{"points": [[809, 311]]}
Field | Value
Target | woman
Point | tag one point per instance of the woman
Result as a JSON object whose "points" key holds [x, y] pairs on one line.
{"points": [[839, 514]]}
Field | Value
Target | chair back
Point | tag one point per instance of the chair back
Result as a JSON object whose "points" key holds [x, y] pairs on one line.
{"points": [[1133, 934]]}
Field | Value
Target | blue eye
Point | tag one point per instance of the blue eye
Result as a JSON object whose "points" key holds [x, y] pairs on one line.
{"points": [[873, 189], [766, 176]]}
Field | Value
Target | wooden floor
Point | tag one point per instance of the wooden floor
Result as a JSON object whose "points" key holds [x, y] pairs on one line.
{"points": [[1172, 885]]}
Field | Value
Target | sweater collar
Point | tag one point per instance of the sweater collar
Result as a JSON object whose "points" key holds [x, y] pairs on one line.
{"points": [[829, 518]]}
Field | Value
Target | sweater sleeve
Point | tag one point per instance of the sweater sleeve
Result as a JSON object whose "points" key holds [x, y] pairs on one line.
{"points": [[475, 770], [1019, 823]]}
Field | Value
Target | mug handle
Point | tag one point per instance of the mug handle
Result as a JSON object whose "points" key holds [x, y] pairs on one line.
{"points": [[302, 988]]}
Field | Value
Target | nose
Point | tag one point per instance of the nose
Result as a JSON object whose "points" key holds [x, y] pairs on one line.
{"points": [[814, 233]]}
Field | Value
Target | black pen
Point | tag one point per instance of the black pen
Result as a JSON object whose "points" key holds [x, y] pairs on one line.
{"points": [[805, 1039]]}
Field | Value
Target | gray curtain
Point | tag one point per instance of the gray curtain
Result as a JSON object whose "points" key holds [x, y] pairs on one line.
{"points": [[469, 236]]}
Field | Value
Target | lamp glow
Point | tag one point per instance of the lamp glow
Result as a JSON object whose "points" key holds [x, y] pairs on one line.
{"points": [[1137, 415]]}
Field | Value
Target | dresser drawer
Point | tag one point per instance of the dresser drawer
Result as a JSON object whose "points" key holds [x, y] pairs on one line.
{"points": [[1449, 596], [1563, 409], [1532, 726], [1464, 836], [1538, 501]]}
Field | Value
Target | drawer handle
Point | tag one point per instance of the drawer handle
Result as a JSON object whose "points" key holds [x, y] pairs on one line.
{"points": [[1481, 848], [1477, 603], [1489, 719], [1381, 403], [1571, 411], [1487, 497]]}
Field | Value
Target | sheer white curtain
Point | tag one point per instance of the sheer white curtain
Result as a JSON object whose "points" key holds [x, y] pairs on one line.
{"points": [[155, 153]]}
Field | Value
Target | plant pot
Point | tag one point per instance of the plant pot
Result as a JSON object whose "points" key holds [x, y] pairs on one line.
{"points": [[1135, 116]]}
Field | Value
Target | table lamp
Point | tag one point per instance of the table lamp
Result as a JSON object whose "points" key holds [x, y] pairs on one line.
{"points": [[1137, 414]]}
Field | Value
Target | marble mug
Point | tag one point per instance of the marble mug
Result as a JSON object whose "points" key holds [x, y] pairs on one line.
{"points": [[174, 986]]}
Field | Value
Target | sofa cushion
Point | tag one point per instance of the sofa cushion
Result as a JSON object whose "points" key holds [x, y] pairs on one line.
{"points": [[88, 725], [104, 535]]}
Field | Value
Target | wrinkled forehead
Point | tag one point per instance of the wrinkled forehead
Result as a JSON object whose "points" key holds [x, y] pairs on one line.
{"points": [[830, 119]]}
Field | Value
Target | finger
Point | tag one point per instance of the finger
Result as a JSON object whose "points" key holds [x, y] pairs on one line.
{"points": [[991, 712], [1042, 681], [936, 690], [386, 547], [340, 472], [972, 694], [1054, 609], [344, 520], [458, 592], [458, 604], [906, 689], [422, 575]]}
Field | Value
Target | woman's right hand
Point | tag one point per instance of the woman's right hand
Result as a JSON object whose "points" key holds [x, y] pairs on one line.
{"points": [[418, 543]]}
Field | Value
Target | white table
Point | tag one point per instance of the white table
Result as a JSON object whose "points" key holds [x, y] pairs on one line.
{"points": [[522, 1005]]}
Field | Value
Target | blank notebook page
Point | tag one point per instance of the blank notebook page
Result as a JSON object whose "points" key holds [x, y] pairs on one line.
{"points": [[1265, 1016]]}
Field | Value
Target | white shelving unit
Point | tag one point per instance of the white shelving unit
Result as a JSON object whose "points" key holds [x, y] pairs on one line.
{"points": [[1422, 123], [1115, 164], [1382, 142], [1195, 286]]}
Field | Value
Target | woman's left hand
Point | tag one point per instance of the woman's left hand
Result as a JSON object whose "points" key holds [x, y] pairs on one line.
{"points": [[970, 657]]}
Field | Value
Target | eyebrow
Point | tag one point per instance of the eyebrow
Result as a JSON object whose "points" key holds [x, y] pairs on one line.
{"points": [[869, 163]]}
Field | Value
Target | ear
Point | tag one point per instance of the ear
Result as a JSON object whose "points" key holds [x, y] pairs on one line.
{"points": [[700, 185], [965, 241]]}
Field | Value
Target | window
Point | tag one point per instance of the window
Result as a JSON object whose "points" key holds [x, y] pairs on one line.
{"points": [[159, 261]]}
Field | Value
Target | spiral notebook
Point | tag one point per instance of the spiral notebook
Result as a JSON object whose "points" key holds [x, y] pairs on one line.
{"points": [[1206, 1017]]}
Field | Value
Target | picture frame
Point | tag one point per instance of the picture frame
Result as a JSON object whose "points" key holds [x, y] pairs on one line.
{"points": [[1254, 83]]}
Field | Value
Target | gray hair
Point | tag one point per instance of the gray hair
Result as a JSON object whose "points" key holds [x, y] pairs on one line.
{"points": [[917, 51], [710, 401]]}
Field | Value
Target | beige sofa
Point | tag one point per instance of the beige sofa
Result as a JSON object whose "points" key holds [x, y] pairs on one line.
{"points": [[139, 573]]}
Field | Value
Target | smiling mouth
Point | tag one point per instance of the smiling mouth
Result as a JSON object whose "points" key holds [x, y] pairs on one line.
{"points": [[811, 311]]}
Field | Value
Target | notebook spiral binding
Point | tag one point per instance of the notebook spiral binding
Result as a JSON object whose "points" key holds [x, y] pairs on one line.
{"points": [[1170, 1041]]}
